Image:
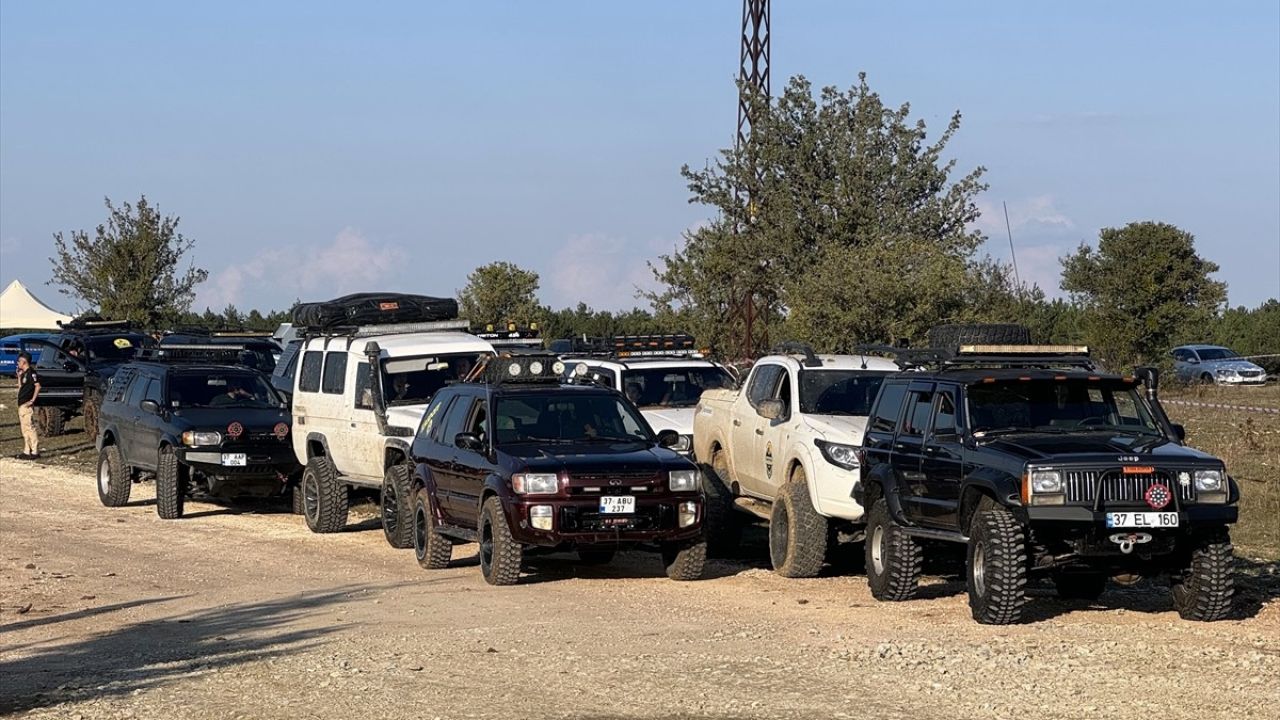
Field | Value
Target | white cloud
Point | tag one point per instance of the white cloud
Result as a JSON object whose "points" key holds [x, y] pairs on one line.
{"points": [[350, 263], [1042, 233], [1040, 211], [603, 271]]}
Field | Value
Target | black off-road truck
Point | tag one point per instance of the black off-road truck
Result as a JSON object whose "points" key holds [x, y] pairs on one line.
{"points": [[75, 367], [1042, 466], [521, 462]]}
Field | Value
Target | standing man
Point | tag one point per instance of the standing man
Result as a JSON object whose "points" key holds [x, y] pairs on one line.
{"points": [[28, 391]]}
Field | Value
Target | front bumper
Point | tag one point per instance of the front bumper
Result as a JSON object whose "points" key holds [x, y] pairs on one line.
{"points": [[260, 460], [1190, 516], [1240, 379], [1081, 532], [578, 522]]}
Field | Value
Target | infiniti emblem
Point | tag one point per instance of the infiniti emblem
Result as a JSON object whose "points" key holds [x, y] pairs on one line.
{"points": [[615, 482]]}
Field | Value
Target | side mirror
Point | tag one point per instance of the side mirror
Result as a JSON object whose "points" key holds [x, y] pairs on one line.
{"points": [[151, 406], [668, 438], [1179, 432], [469, 441], [771, 409]]}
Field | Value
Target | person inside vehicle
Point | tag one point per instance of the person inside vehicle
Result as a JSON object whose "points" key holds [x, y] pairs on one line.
{"points": [[633, 393], [461, 368], [400, 388], [235, 393]]}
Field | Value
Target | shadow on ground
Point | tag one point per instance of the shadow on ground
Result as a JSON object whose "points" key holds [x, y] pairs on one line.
{"points": [[141, 655]]}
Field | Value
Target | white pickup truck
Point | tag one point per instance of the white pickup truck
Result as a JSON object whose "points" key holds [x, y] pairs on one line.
{"points": [[785, 448]]}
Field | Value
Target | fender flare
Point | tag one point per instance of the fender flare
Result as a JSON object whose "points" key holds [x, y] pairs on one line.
{"points": [[799, 454], [494, 485], [883, 476], [395, 444], [1000, 486], [324, 443]]}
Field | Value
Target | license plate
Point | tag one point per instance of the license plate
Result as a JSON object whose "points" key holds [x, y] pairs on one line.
{"points": [[1142, 520], [617, 505], [234, 459]]}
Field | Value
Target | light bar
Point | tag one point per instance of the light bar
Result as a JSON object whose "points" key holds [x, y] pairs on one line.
{"points": [[1024, 349], [405, 328]]}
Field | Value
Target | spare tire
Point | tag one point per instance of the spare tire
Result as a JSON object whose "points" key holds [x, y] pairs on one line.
{"points": [[951, 337]]}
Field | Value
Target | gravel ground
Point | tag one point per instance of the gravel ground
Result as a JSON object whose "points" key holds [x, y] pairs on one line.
{"points": [[240, 612]]}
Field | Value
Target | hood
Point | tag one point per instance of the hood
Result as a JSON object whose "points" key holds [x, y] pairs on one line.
{"points": [[839, 428], [406, 416], [253, 419], [595, 457], [678, 419], [1100, 447], [1232, 365]]}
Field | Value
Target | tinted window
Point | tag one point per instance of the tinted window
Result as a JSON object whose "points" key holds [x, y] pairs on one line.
{"points": [[137, 390], [763, 381], [335, 372], [230, 388], [456, 419], [154, 392], [415, 380], [919, 405], [433, 418], [944, 422], [890, 402], [309, 380], [672, 386], [1042, 404], [1216, 354], [120, 347], [568, 417], [364, 393], [604, 377], [838, 392]]}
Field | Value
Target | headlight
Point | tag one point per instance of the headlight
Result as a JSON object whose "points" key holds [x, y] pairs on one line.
{"points": [[536, 483], [845, 456], [1045, 482], [684, 444], [1226, 372], [682, 480], [194, 438], [1208, 480]]}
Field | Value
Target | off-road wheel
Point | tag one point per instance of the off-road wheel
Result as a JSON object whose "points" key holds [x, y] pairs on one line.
{"points": [[171, 485], [397, 508], [721, 523], [432, 549], [114, 483], [685, 560], [50, 421], [951, 337], [797, 533], [501, 556], [997, 566], [1080, 585], [297, 503], [1206, 586], [595, 557], [893, 558], [324, 497], [89, 408]]}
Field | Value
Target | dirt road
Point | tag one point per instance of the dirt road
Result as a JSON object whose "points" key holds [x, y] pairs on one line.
{"points": [[113, 613]]}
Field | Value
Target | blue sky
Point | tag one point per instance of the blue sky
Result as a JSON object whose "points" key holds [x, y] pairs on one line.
{"points": [[316, 148]]}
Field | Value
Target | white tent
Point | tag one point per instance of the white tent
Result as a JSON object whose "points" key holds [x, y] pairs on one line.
{"points": [[20, 310]]}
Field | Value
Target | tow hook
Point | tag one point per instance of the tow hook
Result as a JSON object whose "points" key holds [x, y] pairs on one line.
{"points": [[1127, 541]]}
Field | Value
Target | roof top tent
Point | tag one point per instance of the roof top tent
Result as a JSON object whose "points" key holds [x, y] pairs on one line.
{"points": [[20, 310]]}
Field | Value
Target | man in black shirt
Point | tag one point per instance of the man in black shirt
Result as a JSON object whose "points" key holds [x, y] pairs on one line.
{"points": [[28, 391]]}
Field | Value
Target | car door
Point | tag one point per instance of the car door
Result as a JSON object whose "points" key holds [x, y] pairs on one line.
{"points": [[447, 474], [942, 461], [747, 425], [151, 425], [129, 423], [908, 450], [471, 467], [769, 437]]}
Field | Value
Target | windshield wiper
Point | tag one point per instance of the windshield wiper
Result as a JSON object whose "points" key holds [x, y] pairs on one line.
{"points": [[993, 432]]}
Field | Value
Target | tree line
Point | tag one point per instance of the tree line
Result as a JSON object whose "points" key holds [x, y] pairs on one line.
{"points": [[842, 220]]}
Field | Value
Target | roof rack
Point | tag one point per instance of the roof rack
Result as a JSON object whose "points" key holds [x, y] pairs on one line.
{"points": [[990, 356], [509, 369], [360, 331], [92, 323], [514, 337], [219, 354], [630, 347], [798, 348]]}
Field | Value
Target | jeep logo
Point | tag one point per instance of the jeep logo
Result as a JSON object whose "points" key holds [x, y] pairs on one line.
{"points": [[1129, 458]]}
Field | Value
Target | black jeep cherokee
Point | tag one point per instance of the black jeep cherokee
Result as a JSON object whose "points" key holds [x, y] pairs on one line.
{"points": [[522, 461], [1042, 466], [199, 426]]}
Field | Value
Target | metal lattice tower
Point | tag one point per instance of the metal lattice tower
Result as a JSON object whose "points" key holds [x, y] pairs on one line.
{"points": [[753, 78]]}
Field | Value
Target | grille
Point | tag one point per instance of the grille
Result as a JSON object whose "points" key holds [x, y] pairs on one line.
{"points": [[627, 478], [1250, 373], [1119, 487], [652, 517]]}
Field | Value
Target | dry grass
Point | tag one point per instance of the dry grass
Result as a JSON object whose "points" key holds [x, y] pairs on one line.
{"points": [[1249, 443]]}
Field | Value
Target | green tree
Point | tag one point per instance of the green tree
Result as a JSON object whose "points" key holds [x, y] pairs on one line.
{"points": [[128, 269], [1142, 290], [854, 231], [500, 292]]}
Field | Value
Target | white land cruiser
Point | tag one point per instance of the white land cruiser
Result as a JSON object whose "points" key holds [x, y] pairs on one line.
{"points": [[785, 448], [661, 374], [357, 400]]}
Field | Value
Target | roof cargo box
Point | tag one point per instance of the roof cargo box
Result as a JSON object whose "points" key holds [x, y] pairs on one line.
{"points": [[374, 309]]}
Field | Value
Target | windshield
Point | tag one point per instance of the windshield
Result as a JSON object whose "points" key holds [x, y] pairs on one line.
{"points": [[838, 392], [120, 347], [414, 380], [672, 386], [566, 417], [1216, 354], [1058, 405], [221, 389]]}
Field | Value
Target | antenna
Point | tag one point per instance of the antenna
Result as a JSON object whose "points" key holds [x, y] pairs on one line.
{"points": [[1012, 254]]}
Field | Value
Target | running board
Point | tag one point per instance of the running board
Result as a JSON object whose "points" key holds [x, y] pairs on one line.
{"points": [[931, 534], [458, 533], [760, 509]]}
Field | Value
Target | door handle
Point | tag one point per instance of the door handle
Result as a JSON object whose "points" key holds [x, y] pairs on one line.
{"points": [[930, 450], [737, 423], [353, 424], [899, 446], [759, 431]]}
